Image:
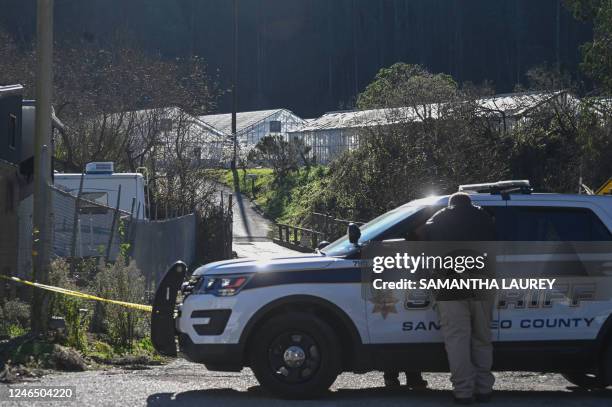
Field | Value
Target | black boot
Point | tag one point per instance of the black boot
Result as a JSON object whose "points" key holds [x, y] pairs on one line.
{"points": [[415, 381], [391, 378]]}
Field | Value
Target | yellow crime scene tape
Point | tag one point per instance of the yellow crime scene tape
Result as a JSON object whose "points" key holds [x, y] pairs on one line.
{"points": [[78, 294]]}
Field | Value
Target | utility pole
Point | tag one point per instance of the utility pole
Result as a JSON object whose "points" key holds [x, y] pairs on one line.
{"points": [[235, 86], [41, 246]]}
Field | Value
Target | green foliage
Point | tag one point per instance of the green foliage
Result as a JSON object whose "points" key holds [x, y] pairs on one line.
{"points": [[437, 140], [597, 54], [583, 10], [405, 85], [214, 174], [264, 177], [77, 322], [309, 193], [280, 155], [141, 352], [15, 331], [69, 308], [125, 283], [14, 318], [101, 350], [124, 248], [554, 148], [554, 144], [32, 353], [290, 198], [145, 346], [124, 331]]}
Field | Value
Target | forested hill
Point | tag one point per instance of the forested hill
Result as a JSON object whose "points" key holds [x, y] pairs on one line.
{"points": [[315, 55]]}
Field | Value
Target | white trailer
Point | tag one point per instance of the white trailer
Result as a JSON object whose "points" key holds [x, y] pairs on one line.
{"points": [[101, 185]]}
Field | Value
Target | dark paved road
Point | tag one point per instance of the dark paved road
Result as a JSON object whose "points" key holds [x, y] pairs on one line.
{"points": [[251, 231]]}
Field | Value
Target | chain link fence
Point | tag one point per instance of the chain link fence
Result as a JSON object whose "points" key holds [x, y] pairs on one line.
{"points": [[155, 245], [87, 229]]}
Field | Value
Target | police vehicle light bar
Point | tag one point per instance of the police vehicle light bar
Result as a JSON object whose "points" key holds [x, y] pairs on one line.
{"points": [[522, 186]]}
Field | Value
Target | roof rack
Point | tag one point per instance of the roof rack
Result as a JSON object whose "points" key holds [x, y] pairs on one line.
{"points": [[500, 187]]}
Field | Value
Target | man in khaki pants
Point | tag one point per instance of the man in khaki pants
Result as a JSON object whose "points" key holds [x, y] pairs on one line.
{"points": [[465, 315]]}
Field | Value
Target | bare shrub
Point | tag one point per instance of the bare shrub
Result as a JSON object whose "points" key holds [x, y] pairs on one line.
{"points": [[121, 282]]}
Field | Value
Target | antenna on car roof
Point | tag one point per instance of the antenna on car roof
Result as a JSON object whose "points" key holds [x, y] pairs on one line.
{"points": [[503, 188]]}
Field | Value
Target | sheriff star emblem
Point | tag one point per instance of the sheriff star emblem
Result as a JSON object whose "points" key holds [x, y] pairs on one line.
{"points": [[384, 303]]}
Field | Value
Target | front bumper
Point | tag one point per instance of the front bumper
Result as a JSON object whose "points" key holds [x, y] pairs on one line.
{"points": [[209, 322], [216, 357], [200, 318]]}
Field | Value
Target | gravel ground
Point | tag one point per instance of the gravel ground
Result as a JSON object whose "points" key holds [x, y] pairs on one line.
{"points": [[181, 383]]}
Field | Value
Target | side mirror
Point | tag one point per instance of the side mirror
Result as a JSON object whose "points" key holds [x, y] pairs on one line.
{"points": [[354, 233], [322, 244]]}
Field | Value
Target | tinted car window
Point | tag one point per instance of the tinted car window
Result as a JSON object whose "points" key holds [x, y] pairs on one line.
{"points": [[502, 217], [557, 224], [409, 229], [372, 230]]}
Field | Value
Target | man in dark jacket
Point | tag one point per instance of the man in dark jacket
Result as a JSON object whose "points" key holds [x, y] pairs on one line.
{"points": [[465, 315]]}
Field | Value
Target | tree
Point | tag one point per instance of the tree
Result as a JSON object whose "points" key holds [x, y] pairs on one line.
{"points": [[563, 143], [597, 54], [17, 65], [563, 140], [281, 155], [121, 104], [429, 137], [406, 85], [104, 96]]}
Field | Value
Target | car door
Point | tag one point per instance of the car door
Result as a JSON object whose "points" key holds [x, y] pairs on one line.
{"points": [[407, 316], [549, 240]]}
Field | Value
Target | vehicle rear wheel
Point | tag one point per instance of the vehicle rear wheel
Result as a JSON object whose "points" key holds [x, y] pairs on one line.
{"points": [[295, 355], [585, 380], [606, 361]]}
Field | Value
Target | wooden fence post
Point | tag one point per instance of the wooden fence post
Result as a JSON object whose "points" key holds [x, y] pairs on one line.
{"points": [[113, 224], [75, 226], [228, 222]]}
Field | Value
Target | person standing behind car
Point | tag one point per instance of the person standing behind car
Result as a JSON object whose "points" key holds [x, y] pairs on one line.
{"points": [[465, 316]]}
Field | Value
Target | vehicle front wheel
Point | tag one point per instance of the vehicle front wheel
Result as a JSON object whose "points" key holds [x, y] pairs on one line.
{"points": [[295, 356]]}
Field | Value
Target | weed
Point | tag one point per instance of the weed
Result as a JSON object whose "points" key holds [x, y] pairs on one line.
{"points": [[14, 318], [125, 283]]}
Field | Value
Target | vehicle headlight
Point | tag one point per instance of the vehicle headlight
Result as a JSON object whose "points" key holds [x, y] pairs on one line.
{"points": [[188, 286], [223, 285]]}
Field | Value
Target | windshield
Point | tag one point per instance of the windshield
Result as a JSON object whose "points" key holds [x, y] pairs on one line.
{"points": [[371, 230]]}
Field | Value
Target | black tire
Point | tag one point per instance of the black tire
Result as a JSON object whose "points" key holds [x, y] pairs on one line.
{"points": [[594, 381], [285, 377], [606, 366], [585, 380]]}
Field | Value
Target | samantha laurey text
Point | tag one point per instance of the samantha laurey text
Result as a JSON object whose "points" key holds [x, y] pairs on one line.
{"points": [[466, 284]]}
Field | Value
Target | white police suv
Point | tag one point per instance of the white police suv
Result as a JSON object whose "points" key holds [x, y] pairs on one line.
{"points": [[298, 322]]}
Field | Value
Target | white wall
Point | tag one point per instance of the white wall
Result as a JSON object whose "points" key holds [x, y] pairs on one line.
{"points": [[289, 122], [327, 144]]}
